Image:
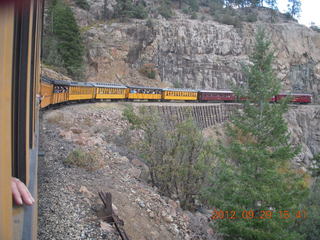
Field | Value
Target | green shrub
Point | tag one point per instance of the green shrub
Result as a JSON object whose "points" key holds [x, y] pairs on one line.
{"points": [[83, 4], [315, 28], [194, 5], [149, 23], [148, 70], [127, 9], [186, 10], [229, 20], [88, 160], [251, 17], [194, 15], [179, 158], [165, 9], [310, 226]]}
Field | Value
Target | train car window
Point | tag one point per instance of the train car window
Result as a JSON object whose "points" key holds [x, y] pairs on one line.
{"points": [[20, 86]]}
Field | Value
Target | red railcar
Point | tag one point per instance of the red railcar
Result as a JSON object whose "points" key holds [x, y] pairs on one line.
{"points": [[295, 97], [216, 95]]}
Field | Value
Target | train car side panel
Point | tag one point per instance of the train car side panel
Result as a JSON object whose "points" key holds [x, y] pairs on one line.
{"points": [[183, 95], [144, 93], [46, 93], [218, 96], [143, 96], [6, 46], [295, 97], [80, 93], [110, 93]]}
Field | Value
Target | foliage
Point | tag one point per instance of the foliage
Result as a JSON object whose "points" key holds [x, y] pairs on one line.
{"points": [[150, 23], [148, 70], [294, 8], [165, 9], [194, 5], [194, 15], [88, 160], [226, 16], [128, 9], [83, 4], [316, 166], [179, 159], [272, 3], [314, 27], [310, 227], [253, 171], [63, 45]]}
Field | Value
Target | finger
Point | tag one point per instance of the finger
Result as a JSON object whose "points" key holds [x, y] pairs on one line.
{"points": [[15, 193], [25, 194]]}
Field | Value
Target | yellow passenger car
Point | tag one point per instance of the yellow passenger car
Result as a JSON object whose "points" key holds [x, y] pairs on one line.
{"points": [[110, 91], [20, 41], [46, 92], [144, 93], [81, 91], [60, 91], [179, 94]]}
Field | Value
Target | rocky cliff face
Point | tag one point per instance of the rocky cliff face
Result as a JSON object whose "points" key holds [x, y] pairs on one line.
{"points": [[304, 126], [194, 53]]}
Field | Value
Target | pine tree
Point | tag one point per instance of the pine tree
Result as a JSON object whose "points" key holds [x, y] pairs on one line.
{"points": [[294, 8], [272, 3], [63, 46], [254, 172]]}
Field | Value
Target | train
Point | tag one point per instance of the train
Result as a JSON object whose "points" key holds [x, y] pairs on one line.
{"points": [[24, 93], [55, 92]]}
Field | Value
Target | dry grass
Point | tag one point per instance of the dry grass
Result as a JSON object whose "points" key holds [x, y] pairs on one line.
{"points": [[87, 160], [60, 118], [55, 117]]}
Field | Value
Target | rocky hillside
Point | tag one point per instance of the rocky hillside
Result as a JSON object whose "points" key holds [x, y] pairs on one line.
{"points": [[69, 206], [197, 53]]}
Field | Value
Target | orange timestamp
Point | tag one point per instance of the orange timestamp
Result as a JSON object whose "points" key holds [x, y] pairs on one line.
{"points": [[258, 214]]}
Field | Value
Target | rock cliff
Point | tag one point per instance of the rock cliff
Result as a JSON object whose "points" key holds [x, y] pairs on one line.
{"points": [[194, 53], [304, 127]]}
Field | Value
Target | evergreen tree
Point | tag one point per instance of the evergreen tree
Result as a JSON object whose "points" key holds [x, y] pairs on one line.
{"points": [[83, 4], [194, 5], [128, 9], [294, 8], [254, 174], [65, 47], [273, 4]]}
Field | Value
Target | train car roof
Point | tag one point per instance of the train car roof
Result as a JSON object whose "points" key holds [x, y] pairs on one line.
{"points": [[215, 91], [296, 94], [46, 79], [140, 87], [81, 84], [180, 90], [54, 81], [108, 85], [60, 82]]}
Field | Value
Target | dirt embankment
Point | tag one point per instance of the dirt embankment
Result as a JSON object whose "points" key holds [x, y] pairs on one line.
{"points": [[69, 206]]}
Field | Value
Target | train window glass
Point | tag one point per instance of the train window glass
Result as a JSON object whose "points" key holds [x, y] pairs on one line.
{"points": [[20, 86], [32, 77]]}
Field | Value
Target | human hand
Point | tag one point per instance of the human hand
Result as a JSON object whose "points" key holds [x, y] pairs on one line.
{"points": [[20, 192]]}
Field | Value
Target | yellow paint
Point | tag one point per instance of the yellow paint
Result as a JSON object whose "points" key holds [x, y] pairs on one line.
{"points": [[110, 93], [59, 97], [46, 94], [180, 95], [80, 96], [81, 93], [6, 46], [110, 96], [143, 96]]}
